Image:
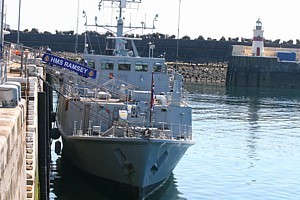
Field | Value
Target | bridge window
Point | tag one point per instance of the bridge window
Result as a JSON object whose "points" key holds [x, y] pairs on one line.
{"points": [[159, 67], [87, 63], [124, 66], [107, 66], [91, 64], [141, 67]]}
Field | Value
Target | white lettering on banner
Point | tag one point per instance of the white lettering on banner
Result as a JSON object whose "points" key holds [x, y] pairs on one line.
{"points": [[56, 61], [75, 67], [80, 69]]}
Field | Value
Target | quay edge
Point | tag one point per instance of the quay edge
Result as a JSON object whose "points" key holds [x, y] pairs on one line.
{"points": [[19, 178]]}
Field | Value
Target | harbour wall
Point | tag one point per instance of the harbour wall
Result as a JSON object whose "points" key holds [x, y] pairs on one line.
{"points": [[192, 51], [248, 71], [188, 51], [13, 152], [18, 143]]}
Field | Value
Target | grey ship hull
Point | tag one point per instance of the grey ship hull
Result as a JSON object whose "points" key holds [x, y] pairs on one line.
{"points": [[137, 165]]}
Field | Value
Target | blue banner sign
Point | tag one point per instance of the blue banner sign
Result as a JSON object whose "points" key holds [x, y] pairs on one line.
{"points": [[73, 66]]}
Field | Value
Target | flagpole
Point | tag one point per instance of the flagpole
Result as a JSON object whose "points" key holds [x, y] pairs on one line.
{"points": [[152, 99]]}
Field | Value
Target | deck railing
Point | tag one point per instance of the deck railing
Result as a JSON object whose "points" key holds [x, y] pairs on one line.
{"points": [[124, 131]]}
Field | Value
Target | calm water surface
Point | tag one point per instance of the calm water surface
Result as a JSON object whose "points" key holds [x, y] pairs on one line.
{"points": [[247, 147]]}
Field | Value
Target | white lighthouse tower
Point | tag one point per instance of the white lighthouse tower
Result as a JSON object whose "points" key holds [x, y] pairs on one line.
{"points": [[258, 40]]}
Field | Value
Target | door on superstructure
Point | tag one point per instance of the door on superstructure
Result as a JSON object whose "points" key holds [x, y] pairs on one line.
{"points": [[257, 51]]}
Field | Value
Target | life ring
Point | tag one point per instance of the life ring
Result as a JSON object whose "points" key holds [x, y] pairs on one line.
{"points": [[111, 75]]}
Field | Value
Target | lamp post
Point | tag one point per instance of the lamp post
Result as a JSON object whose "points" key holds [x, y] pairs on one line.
{"points": [[19, 19], [76, 42], [4, 14], [2, 70], [154, 20], [2, 27]]}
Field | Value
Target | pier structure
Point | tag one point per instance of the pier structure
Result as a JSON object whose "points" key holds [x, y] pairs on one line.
{"points": [[19, 127], [259, 66]]}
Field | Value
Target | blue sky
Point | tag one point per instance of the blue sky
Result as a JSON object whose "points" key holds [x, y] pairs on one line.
{"points": [[209, 18]]}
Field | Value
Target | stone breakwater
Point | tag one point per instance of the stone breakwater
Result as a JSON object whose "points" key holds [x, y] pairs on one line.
{"points": [[210, 73]]}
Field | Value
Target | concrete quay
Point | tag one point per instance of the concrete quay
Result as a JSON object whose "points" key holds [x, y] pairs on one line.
{"points": [[13, 152], [18, 142]]}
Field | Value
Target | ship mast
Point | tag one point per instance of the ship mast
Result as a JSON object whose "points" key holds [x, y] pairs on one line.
{"points": [[120, 40], [120, 43]]}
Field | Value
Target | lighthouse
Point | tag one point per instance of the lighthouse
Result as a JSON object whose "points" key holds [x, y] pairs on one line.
{"points": [[258, 40]]}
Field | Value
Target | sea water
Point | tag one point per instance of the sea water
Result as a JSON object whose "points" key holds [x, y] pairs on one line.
{"points": [[247, 147]]}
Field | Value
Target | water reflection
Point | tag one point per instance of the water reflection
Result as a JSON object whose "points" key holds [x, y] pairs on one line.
{"points": [[262, 92], [68, 183], [167, 191], [262, 98], [253, 119], [249, 136]]}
